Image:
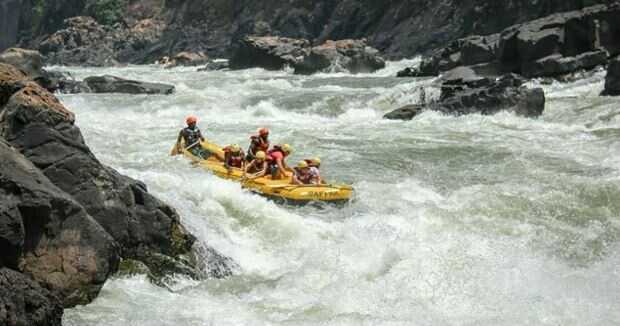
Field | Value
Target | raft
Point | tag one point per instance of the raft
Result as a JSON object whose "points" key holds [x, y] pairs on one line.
{"points": [[280, 190]]}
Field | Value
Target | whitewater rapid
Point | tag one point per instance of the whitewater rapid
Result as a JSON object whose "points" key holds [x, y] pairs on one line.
{"points": [[472, 220]]}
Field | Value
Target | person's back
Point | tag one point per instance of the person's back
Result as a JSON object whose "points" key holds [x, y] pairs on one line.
{"points": [[233, 157], [258, 142]]}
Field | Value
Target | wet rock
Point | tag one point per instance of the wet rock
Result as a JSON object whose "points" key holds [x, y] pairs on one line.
{"points": [[352, 56], [28, 61], [612, 80], [24, 302], [43, 130], [112, 84], [215, 65], [184, 59], [467, 93], [268, 52], [405, 113], [47, 235], [558, 65]]}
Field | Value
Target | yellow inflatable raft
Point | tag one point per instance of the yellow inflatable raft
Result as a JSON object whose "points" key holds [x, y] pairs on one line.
{"points": [[274, 189]]}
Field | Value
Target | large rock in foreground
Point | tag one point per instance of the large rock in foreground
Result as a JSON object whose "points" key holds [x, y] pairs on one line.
{"points": [[112, 84], [276, 53], [612, 80], [24, 302]]}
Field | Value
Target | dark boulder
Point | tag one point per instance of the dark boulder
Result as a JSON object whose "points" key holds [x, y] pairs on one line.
{"points": [[352, 56], [42, 129], [25, 302], [558, 65], [407, 112], [470, 94], [28, 61], [612, 80], [112, 84], [46, 234], [268, 52]]}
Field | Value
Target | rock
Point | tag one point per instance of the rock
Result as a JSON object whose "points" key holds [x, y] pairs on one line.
{"points": [[186, 59], [557, 65], [11, 80], [46, 234], [82, 42], [28, 61], [479, 49], [215, 65], [405, 113], [352, 56], [470, 94], [268, 52], [111, 84], [24, 302], [612, 80], [43, 130]]}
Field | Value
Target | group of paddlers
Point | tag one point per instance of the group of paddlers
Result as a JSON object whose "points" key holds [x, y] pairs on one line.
{"points": [[261, 158]]}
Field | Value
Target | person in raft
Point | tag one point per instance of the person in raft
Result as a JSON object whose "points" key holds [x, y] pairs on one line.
{"points": [[315, 165], [233, 157], [258, 142], [258, 167], [277, 163], [192, 137], [303, 176]]}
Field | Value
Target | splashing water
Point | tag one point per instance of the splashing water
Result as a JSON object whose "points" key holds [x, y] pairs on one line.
{"points": [[472, 220]]}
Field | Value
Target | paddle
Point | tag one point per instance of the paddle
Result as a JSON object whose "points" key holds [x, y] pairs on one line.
{"points": [[175, 149]]}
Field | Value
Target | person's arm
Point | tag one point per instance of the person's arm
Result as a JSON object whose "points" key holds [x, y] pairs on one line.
{"points": [[178, 145], [283, 167], [200, 135], [226, 158], [295, 180]]}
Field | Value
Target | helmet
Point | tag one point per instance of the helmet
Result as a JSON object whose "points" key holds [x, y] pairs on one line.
{"points": [[191, 119], [261, 155], [302, 165], [235, 148], [316, 161], [263, 132], [287, 148]]}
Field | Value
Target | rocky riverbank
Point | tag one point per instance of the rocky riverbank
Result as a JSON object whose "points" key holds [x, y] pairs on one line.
{"points": [[67, 220]]}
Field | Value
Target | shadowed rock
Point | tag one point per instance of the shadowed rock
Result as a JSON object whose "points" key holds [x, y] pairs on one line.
{"points": [[352, 56], [612, 80], [24, 302], [112, 84], [267, 52]]}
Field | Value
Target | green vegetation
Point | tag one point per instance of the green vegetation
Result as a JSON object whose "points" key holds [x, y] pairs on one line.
{"points": [[107, 12], [38, 12]]}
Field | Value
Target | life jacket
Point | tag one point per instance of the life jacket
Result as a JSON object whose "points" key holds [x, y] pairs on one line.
{"points": [[257, 143], [270, 153], [234, 160], [305, 179], [190, 135]]}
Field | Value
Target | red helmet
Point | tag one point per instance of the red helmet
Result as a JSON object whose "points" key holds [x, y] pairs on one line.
{"points": [[263, 132], [191, 119]]}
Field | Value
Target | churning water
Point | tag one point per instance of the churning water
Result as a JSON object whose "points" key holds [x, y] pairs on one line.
{"points": [[472, 220]]}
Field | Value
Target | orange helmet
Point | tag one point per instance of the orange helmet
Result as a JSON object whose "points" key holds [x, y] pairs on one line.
{"points": [[191, 119], [263, 132]]}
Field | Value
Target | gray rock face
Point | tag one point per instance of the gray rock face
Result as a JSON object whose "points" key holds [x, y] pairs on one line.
{"points": [[275, 53], [268, 52], [65, 218], [24, 302], [111, 84], [465, 92], [548, 47], [612, 80], [352, 56], [29, 61], [9, 22]]}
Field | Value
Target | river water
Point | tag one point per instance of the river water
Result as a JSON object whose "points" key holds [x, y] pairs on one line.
{"points": [[472, 220]]}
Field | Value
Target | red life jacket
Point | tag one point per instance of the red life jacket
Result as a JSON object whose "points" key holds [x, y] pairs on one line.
{"points": [[270, 157], [305, 179], [234, 160]]}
